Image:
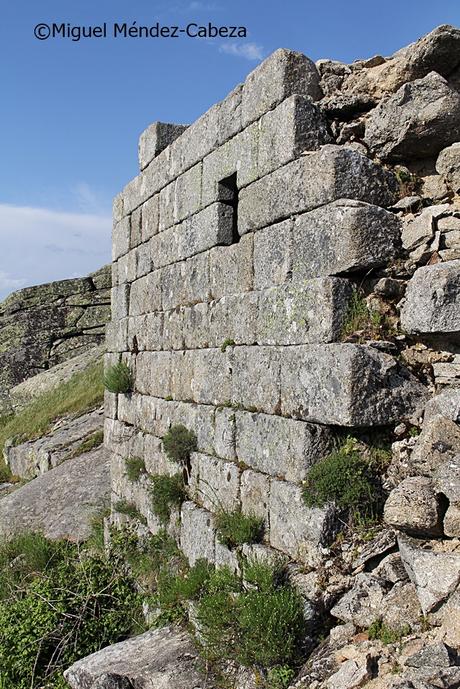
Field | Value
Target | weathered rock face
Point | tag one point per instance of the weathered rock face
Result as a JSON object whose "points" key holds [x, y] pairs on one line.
{"points": [[62, 502], [63, 442], [417, 122], [45, 325], [159, 659]]}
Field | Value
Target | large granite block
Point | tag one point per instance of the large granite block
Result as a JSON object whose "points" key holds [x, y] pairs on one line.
{"points": [[231, 269], [282, 74], [346, 385], [295, 529], [283, 448], [308, 311], [345, 236], [255, 492], [120, 301], [229, 120], [210, 227], [233, 319], [120, 237], [150, 217], [256, 378], [153, 373], [212, 376], [273, 255], [198, 533], [432, 302], [214, 483], [311, 181], [295, 126], [155, 139], [239, 155], [195, 326], [196, 142], [224, 433], [145, 295]]}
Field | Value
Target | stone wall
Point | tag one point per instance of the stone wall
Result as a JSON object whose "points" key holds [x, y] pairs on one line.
{"points": [[46, 325], [236, 252]]}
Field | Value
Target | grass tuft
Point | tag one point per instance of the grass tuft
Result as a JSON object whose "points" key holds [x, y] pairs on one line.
{"points": [[179, 443], [236, 528], [135, 468], [94, 440], [118, 378], [167, 492]]}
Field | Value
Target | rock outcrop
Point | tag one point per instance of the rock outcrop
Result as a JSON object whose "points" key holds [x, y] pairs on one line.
{"points": [[49, 324]]}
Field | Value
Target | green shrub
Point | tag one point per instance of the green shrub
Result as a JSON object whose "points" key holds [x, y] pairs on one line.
{"points": [[280, 677], [176, 589], [118, 378], [63, 605], [360, 317], [236, 528], [386, 634], [179, 443], [167, 492], [130, 510], [135, 468], [262, 626], [344, 478]]}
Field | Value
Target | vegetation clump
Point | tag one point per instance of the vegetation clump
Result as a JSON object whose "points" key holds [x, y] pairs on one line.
{"points": [[360, 318], [130, 510], [135, 468], [386, 634], [118, 378], [179, 443], [167, 492], [58, 603], [228, 342], [345, 478], [236, 528]]}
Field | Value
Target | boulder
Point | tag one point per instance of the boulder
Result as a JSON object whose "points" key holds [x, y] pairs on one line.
{"points": [[438, 442], [418, 121], [432, 302], [447, 403], [435, 575], [448, 165], [413, 507], [62, 502], [159, 659], [435, 655], [438, 51]]}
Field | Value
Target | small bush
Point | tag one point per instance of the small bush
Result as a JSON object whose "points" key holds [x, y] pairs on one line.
{"points": [[118, 378], [236, 528], [345, 478], [386, 634], [135, 468], [167, 492], [130, 510], [280, 677], [175, 590], [179, 443], [94, 440], [263, 626]]}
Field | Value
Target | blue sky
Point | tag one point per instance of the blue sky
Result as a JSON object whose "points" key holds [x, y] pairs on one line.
{"points": [[72, 112]]}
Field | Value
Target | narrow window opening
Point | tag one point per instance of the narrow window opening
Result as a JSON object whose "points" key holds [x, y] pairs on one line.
{"points": [[228, 194]]}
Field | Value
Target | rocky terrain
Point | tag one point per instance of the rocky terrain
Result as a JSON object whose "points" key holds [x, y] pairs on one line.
{"points": [[320, 323]]}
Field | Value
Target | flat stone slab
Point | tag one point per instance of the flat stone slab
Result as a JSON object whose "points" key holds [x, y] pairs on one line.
{"points": [[35, 457], [433, 299], [159, 659], [62, 502]]}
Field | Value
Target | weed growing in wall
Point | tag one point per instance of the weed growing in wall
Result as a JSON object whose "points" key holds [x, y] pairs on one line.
{"points": [[179, 443], [167, 492], [236, 528], [91, 443], [118, 378], [360, 318], [135, 468], [130, 510], [344, 478]]}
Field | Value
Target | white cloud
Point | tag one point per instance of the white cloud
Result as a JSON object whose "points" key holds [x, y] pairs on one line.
{"points": [[203, 6], [249, 51], [40, 245]]}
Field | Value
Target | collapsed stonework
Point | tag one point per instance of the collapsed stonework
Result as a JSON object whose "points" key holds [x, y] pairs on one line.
{"points": [[238, 252]]}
